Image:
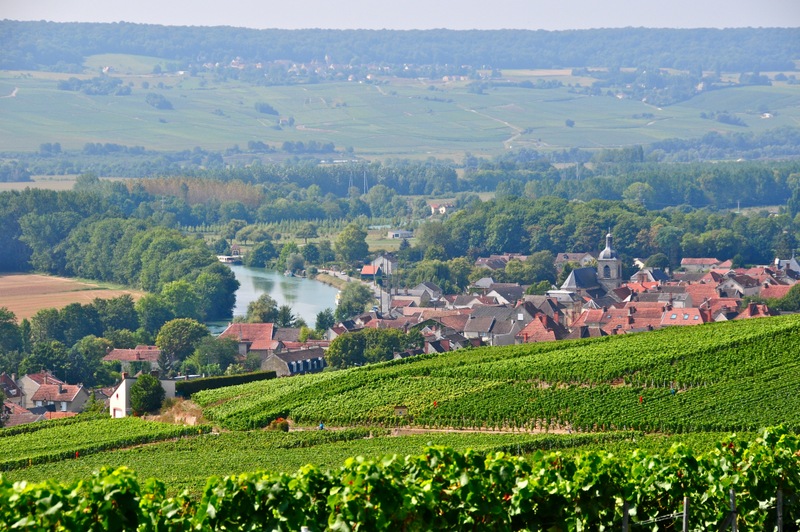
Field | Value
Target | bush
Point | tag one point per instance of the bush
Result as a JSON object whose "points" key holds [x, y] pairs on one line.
{"points": [[279, 424], [146, 395]]}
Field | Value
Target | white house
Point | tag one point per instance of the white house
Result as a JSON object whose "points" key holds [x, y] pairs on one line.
{"points": [[119, 404]]}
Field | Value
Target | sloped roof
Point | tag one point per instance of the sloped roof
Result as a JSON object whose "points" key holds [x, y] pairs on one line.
{"points": [[699, 261], [299, 355], [682, 316], [9, 387], [541, 329], [57, 392], [479, 325], [701, 291], [755, 310], [43, 377], [286, 334], [369, 269], [258, 335], [141, 353], [775, 291], [581, 279]]}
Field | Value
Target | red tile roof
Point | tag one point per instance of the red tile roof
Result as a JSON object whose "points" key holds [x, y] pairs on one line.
{"points": [[57, 392], [538, 330], [682, 316], [775, 291], [43, 377], [141, 353], [258, 335], [369, 269]]}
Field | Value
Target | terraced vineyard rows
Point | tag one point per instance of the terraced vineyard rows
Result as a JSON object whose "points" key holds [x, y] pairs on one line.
{"points": [[730, 376], [187, 463], [65, 441]]}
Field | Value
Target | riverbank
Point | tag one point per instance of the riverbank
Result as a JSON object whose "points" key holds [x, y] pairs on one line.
{"points": [[332, 280]]}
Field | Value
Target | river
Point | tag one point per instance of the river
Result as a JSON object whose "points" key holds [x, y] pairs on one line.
{"points": [[306, 296]]}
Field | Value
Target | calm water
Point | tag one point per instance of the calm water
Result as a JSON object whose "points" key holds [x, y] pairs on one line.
{"points": [[306, 296]]}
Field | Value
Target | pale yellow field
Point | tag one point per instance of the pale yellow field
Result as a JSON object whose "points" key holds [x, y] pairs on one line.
{"points": [[26, 294]]}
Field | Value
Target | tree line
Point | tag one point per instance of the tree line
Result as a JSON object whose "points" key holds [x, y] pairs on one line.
{"points": [[63, 46]]}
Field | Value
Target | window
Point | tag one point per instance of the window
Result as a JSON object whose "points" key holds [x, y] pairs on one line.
{"points": [[63, 406], [673, 316], [606, 272]]}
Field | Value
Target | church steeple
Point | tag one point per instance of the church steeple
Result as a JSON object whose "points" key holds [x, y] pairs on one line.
{"points": [[609, 265]]}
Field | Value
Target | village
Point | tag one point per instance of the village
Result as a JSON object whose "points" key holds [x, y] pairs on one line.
{"points": [[594, 301]]}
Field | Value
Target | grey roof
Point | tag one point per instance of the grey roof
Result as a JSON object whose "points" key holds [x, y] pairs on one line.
{"points": [[299, 355], [510, 293], [581, 279], [479, 325]]}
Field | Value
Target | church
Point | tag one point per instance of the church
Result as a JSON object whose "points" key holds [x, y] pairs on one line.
{"points": [[595, 282]]}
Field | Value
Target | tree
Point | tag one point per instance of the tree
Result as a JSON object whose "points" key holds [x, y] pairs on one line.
{"points": [[146, 395], [324, 320], [262, 310], [657, 260], [178, 337], [182, 299], [306, 231], [51, 356], [153, 312], [10, 338], [369, 346], [78, 321], [46, 326], [117, 313], [353, 300], [351, 244], [285, 317], [261, 254]]}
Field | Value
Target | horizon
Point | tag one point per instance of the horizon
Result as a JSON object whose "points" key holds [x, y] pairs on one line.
{"points": [[419, 14]]}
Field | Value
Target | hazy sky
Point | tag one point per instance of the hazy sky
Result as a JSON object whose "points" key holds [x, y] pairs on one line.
{"points": [[419, 14]]}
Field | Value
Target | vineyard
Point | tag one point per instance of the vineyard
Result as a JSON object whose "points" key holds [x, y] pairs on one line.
{"points": [[739, 375], [445, 489], [60, 441]]}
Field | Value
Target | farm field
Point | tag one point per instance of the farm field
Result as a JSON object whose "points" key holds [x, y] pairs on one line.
{"points": [[25, 294], [393, 117]]}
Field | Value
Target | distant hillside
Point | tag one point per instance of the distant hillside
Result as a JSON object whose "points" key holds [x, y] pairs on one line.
{"points": [[729, 376], [64, 46]]}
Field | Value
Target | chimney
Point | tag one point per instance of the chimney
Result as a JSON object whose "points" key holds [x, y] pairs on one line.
{"points": [[124, 375], [60, 388]]}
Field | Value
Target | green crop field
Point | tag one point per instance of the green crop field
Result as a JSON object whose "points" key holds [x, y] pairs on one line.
{"points": [[392, 117]]}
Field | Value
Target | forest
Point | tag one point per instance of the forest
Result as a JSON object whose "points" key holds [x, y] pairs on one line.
{"points": [[63, 47]]}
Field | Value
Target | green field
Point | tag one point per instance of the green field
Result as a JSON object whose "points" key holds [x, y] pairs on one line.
{"points": [[393, 117]]}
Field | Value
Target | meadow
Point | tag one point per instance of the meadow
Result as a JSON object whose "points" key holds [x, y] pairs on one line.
{"points": [[389, 117]]}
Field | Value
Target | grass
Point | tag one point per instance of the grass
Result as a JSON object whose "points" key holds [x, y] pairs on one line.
{"points": [[397, 118]]}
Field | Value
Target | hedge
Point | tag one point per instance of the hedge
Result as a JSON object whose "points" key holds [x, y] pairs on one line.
{"points": [[188, 387]]}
